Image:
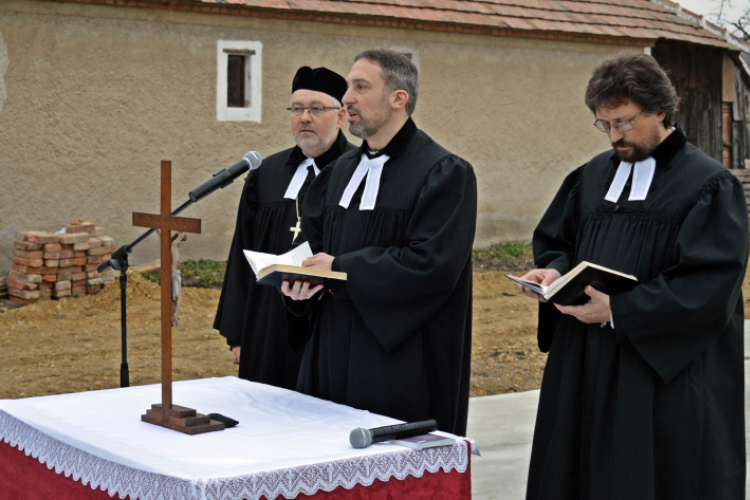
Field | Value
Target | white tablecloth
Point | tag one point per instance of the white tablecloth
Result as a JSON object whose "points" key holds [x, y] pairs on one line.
{"points": [[286, 443]]}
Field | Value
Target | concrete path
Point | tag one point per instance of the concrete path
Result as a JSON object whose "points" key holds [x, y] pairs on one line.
{"points": [[503, 427]]}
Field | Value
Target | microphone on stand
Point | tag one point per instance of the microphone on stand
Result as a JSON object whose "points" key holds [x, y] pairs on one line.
{"points": [[226, 176], [362, 438]]}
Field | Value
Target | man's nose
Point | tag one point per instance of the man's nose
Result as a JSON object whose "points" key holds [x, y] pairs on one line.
{"points": [[348, 99], [615, 135]]}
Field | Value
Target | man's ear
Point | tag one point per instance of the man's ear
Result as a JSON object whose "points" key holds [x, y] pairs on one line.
{"points": [[340, 117], [399, 98]]}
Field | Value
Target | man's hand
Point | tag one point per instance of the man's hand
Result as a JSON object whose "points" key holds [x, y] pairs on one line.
{"points": [[595, 310], [319, 261], [300, 290], [543, 276], [236, 355]]}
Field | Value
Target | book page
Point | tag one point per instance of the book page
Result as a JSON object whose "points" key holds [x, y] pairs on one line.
{"points": [[259, 260]]}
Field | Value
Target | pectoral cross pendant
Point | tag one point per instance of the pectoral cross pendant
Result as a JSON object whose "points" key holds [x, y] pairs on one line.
{"points": [[296, 229]]}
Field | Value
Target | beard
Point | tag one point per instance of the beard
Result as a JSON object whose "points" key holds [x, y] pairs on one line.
{"points": [[637, 151], [367, 127], [317, 141]]}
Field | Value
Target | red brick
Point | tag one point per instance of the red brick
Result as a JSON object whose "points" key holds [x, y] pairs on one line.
{"points": [[78, 283], [79, 253], [61, 293], [25, 278], [95, 242], [33, 270], [49, 278], [81, 275], [67, 254], [107, 241], [28, 262], [83, 227], [63, 285], [94, 281], [23, 302], [81, 246], [22, 285], [98, 259], [46, 288], [52, 247], [71, 239], [91, 267], [93, 275], [92, 289], [27, 246], [24, 294], [37, 254], [80, 261], [79, 291], [98, 231], [36, 237], [51, 263], [67, 262], [101, 251], [52, 255]]}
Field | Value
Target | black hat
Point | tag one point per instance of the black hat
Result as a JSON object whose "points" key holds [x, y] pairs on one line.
{"points": [[320, 80]]}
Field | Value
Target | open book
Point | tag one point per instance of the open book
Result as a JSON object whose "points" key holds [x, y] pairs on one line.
{"points": [[272, 269], [568, 290]]}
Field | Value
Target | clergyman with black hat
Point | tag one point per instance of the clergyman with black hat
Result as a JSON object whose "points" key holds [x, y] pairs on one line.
{"points": [[257, 327]]}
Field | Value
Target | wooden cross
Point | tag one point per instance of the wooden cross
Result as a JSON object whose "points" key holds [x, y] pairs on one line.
{"points": [[165, 414]]}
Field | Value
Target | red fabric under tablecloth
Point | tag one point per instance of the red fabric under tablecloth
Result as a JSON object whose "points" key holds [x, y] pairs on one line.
{"points": [[25, 478]]}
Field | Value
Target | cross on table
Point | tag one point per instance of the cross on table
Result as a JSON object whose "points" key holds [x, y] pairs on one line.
{"points": [[174, 417]]}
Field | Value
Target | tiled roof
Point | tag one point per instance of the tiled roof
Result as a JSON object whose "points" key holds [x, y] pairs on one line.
{"points": [[640, 22]]}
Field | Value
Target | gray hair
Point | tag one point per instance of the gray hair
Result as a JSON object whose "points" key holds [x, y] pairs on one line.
{"points": [[398, 72]]}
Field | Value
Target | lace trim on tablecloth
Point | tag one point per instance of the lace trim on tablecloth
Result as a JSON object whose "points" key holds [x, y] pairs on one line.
{"points": [[122, 481]]}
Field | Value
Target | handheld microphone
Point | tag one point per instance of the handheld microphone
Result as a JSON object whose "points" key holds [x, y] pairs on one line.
{"points": [[362, 438], [226, 176]]}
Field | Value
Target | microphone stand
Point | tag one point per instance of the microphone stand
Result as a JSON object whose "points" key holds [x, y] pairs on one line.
{"points": [[119, 262]]}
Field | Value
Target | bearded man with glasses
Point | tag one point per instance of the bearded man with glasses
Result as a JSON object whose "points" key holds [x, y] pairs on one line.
{"points": [[643, 392], [266, 341]]}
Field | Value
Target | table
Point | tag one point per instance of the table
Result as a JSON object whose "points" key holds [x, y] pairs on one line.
{"points": [[93, 445]]}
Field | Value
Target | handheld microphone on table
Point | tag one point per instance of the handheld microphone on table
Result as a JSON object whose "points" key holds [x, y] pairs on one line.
{"points": [[362, 438], [226, 176]]}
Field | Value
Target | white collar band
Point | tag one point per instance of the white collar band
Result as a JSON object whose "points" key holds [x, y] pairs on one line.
{"points": [[373, 168], [292, 191]]}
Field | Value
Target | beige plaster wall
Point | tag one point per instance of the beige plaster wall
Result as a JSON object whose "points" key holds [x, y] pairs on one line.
{"points": [[93, 97]]}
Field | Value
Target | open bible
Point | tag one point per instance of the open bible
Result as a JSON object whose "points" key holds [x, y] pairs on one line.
{"points": [[272, 269], [568, 290]]}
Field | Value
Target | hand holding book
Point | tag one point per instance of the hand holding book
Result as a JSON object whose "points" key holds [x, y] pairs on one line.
{"points": [[570, 289]]}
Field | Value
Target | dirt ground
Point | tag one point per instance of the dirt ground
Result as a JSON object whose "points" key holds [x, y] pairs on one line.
{"points": [[53, 347]]}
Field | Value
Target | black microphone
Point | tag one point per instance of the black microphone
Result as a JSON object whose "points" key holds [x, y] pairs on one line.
{"points": [[362, 438], [226, 176]]}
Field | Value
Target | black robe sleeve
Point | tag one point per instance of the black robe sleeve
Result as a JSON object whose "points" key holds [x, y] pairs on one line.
{"points": [[397, 289], [554, 247], [237, 277], [672, 320]]}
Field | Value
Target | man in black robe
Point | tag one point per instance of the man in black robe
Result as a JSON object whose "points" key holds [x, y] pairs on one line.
{"points": [[395, 338], [257, 326], [643, 392]]}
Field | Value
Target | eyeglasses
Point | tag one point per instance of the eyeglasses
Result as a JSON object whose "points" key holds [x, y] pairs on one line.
{"points": [[314, 110], [619, 126]]}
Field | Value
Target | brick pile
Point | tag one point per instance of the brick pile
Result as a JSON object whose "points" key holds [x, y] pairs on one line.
{"points": [[59, 266], [3, 288]]}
